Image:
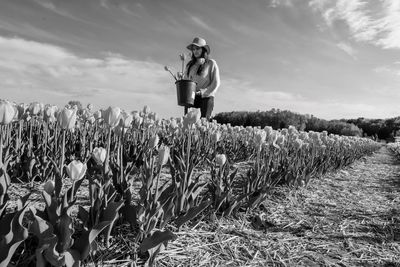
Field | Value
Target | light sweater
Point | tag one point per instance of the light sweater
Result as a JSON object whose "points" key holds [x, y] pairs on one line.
{"points": [[207, 82]]}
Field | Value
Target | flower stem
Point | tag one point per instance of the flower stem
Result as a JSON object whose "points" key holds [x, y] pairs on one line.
{"points": [[62, 153]]}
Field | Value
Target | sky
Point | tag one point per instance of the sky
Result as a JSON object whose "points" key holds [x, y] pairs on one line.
{"points": [[334, 59]]}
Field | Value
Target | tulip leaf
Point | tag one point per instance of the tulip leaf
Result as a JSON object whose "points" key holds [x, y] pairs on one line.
{"points": [[51, 254], [191, 213], [157, 238], [111, 214], [72, 258], [41, 229], [64, 233], [84, 243], [10, 242], [83, 215]]}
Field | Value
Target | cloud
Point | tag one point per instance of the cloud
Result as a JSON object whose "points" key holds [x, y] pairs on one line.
{"points": [[377, 23], [276, 3], [104, 3], [62, 12], [348, 49], [199, 22], [32, 70]]}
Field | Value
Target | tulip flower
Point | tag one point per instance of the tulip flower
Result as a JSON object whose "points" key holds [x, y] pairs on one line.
{"points": [[76, 170], [35, 108], [153, 142], [111, 116], [169, 70], [22, 108], [163, 155], [99, 154], [173, 124], [191, 118], [97, 115], [137, 119], [216, 136], [120, 130], [125, 120], [220, 159], [7, 112], [260, 137], [146, 109], [90, 107], [201, 61], [67, 118], [50, 113], [49, 187]]}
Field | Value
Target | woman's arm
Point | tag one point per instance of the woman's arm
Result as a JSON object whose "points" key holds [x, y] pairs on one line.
{"points": [[215, 81]]}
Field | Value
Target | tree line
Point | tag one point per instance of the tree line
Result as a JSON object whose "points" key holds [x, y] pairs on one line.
{"points": [[383, 129]]}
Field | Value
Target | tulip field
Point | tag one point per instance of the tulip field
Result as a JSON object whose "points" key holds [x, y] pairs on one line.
{"points": [[107, 170]]}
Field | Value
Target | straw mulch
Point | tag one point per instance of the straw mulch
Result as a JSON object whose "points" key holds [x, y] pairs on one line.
{"points": [[347, 218]]}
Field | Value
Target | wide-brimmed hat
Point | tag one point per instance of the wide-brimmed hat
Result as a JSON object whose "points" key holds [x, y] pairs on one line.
{"points": [[199, 42]]}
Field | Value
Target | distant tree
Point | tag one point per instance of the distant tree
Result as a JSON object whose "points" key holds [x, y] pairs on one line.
{"points": [[78, 104]]}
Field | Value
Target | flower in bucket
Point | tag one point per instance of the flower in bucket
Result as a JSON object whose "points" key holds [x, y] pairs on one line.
{"points": [[181, 74], [169, 70]]}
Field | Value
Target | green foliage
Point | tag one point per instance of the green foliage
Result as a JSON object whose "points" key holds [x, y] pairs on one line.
{"points": [[279, 119]]}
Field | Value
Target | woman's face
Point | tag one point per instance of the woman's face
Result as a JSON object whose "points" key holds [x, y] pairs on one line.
{"points": [[196, 51]]}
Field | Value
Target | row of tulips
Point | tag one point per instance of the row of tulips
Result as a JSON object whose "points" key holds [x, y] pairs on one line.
{"points": [[395, 148], [112, 149]]}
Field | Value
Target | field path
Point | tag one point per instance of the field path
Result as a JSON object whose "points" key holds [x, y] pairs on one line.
{"points": [[350, 217]]}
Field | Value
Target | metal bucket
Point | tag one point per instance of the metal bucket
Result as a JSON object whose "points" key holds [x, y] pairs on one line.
{"points": [[185, 92]]}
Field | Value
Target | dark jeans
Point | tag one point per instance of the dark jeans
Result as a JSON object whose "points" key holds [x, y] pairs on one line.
{"points": [[206, 106]]}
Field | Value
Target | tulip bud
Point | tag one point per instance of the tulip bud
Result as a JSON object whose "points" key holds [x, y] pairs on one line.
{"points": [[153, 142], [67, 118], [99, 154], [111, 116], [7, 112], [76, 170], [220, 159], [49, 187], [163, 155]]}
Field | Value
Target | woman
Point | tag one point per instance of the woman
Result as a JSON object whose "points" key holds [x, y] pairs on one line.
{"points": [[204, 71]]}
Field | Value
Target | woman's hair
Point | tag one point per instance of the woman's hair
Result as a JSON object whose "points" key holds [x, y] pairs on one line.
{"points": [[193, 60]]}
